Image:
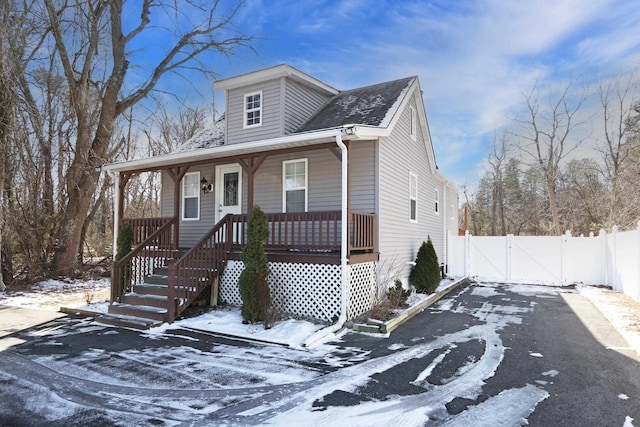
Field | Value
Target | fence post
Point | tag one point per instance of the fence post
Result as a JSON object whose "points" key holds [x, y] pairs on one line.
{"points": [[615, 285], [637, 281], [509, 243], [467, 253], [604, 258], [564, 240]]}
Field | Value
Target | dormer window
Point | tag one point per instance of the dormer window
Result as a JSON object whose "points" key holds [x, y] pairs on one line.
{"points": [[253, 110]]}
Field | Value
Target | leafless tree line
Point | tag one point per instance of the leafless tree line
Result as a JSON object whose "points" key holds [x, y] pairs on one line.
{"points": [[74, 84], [535, 184]]}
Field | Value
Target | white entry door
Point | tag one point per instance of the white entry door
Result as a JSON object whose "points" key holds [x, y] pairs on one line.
{"points": [[228, 190]]}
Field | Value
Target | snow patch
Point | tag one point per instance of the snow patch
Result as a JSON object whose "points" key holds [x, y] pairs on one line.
{"points": [[535, 355], [552, 373], [623, 396]]}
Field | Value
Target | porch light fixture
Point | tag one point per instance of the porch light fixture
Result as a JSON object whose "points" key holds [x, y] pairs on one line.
{"points": [[206, 187]]}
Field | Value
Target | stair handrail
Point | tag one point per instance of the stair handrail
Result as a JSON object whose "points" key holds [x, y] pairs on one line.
{"points": [[190, 274], [123, 272]]}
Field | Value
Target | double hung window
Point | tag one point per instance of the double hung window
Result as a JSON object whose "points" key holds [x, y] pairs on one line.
{"points": [[294, 185]]}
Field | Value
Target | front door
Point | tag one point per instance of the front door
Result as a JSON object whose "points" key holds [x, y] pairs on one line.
{"points": [[228, 190]]}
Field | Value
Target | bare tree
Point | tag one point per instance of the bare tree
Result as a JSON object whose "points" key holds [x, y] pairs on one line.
{"points": [[95, 53], [619, 145], [549, 139]]}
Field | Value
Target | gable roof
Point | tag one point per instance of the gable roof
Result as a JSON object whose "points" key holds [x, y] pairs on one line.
{"points": [[282, 70], [370, 106]]}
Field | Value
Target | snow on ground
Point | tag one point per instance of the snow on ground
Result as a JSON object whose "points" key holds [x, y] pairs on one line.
{"points": [[237, 373], [52, 294]]}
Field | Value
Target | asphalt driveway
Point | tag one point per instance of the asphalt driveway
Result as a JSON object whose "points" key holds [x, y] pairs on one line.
{"points": [[488, 354]]}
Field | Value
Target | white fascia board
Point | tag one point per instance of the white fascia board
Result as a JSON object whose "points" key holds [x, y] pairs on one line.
{"points": [[272, 73], [295, 140]]}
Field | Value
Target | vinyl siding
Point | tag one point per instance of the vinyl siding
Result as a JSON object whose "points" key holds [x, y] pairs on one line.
{"points": [[191, 231], [362, 168], [271, 113], [323, 181], [301, 102], [399, 238]]}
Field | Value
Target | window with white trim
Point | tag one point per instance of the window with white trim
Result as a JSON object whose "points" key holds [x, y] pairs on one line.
{"points": [[412, 123], [191, 196], [436, 198], [252, 110], [413, 197], [294, 185]]}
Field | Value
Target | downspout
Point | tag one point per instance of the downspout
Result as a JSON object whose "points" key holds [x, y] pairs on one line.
{"points": [[344, 259]]}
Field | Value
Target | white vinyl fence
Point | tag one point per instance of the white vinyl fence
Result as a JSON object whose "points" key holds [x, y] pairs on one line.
{"points": [[607, 259]]}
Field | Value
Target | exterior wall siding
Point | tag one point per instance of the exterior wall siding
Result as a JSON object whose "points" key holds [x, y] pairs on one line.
{"points": [[323, 181], [362, 168], [301, 102], [271, 113], [399, 238]]}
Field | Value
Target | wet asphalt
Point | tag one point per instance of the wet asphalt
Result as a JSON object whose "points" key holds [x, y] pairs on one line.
{"points": [[484, 355]]}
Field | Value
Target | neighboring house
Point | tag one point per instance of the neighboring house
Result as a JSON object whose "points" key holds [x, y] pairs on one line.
{"points": [[348, 179]]}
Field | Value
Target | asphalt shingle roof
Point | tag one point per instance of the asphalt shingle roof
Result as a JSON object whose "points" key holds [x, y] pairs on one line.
{"points": [[369, 105]]}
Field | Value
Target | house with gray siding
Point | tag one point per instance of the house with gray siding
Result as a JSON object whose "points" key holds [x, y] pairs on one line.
{"points": [[348, 179]]}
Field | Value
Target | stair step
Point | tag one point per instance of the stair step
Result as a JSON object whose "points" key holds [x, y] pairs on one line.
{"points": [[130, 322], [152, 289], [136, 298], [157, 279], [142, 311]]}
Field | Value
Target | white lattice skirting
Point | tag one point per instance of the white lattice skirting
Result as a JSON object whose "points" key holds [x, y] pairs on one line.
{"points": [[307, 290]]}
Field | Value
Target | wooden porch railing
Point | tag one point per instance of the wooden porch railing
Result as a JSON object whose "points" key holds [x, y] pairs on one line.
{"points": [[144, 227], [310, 231], [195, 270], [362, 232], [151, 253]]}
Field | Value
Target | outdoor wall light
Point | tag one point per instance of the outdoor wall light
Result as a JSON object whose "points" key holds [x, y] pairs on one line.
{"points": [[206, 187]]}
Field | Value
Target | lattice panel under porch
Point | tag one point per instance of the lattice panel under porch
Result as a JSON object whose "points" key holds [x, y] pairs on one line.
{"points": [[228, 290], [362, 283], [304, 290]]}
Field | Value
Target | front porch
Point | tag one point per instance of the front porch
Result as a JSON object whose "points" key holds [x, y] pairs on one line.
{"points": [[159, 280]]}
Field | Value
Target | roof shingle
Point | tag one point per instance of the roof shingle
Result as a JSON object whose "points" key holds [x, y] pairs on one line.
{"points": [[369, 105]]}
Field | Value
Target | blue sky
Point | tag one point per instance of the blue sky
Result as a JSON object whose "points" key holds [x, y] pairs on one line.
{"points": [[475, 59]]}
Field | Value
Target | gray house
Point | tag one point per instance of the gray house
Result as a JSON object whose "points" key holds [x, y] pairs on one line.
{"points": [[348, 180]]}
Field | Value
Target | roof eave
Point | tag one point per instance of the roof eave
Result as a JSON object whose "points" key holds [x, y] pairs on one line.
{"points": [[293, 140]]}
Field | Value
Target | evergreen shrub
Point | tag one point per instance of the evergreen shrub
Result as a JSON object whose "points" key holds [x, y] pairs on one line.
{"points": [[254, 288], [425, 275]]}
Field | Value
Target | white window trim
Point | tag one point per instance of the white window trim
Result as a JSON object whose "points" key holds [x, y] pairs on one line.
{"points": [[197, 196], [413, 127], [246, 110], [413, 195], [436, 206], [306, 183]]}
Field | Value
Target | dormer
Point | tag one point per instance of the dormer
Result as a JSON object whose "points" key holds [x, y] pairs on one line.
{"points": [[270, 103]]}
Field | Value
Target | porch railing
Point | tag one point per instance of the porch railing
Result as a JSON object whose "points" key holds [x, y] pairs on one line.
{"points": [[362, 228], [310, 231], [144, 227], [195, 270], [149, 254]]}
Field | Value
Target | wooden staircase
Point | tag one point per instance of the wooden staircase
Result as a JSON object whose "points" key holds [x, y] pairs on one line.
{"points": [[145, 307]]}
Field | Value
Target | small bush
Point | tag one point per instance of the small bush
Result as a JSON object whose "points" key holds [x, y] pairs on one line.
{"points": [[124, 241], [397, 295], [425, 275]]}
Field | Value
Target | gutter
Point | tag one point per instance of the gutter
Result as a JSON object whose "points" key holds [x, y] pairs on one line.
{"points": [[322, 333]]}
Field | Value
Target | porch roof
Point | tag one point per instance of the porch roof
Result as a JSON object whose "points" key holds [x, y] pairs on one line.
{"points": [[233, 150]]}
